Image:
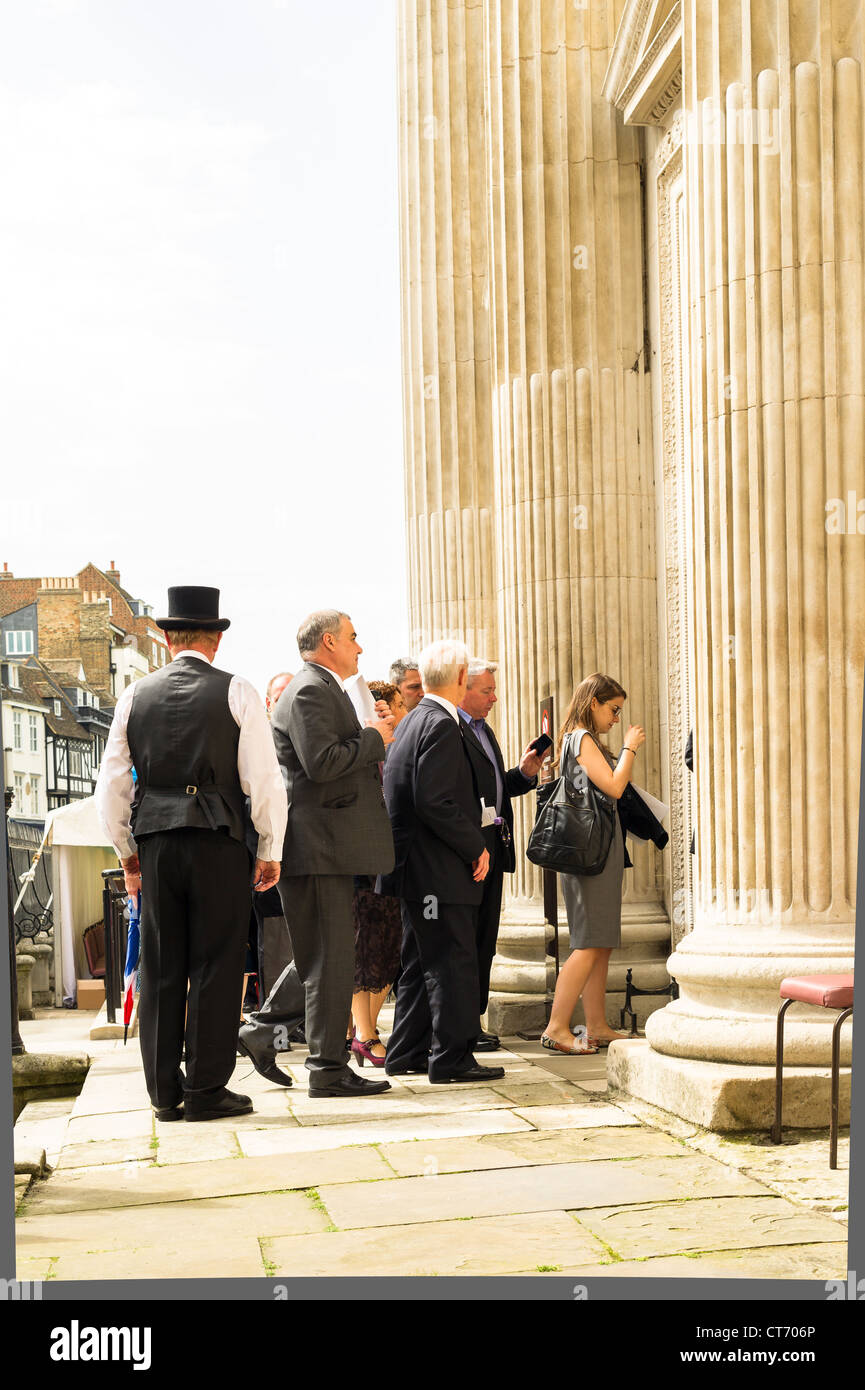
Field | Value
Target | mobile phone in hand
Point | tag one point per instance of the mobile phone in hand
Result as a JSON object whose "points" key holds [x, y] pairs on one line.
{"points": [[541, 744]]}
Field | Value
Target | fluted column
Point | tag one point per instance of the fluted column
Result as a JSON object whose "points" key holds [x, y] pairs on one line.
{"points": [[445, 322], [572, 433], [773, 164], [572, 430]]}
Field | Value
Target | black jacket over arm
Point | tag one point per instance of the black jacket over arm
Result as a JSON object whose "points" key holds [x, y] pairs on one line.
{"points": [[635, 818], [434, 809]]}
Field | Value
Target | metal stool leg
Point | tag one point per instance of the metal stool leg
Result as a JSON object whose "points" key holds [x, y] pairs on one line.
{"points": [[779, 1070], [836, 1086]]}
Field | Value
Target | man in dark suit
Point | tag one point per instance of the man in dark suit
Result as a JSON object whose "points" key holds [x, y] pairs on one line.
{"points": [[338, 826], [441, 863], [496, 787], [199, 741]]}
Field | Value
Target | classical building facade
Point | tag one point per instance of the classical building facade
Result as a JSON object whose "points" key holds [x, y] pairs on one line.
{"points": [[632, 261]]}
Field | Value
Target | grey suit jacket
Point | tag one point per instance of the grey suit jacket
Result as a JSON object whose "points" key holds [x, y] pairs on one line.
{"points": [[337, 820]]}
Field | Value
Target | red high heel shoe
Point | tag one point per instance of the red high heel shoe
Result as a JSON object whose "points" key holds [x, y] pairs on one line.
{"points": [[362, 1051]]}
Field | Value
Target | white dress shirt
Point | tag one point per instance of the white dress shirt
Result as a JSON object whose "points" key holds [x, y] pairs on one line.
{"points": [[257, 767], [445, 704]]}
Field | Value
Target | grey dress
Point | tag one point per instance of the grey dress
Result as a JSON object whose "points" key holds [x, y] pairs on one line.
{"points": [[594, 902]]}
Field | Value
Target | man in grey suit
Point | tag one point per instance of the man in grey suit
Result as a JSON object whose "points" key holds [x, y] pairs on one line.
{"points": [[338, 826]]}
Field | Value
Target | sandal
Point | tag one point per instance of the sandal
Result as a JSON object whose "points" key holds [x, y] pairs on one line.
{"points": [[568, 1051]]}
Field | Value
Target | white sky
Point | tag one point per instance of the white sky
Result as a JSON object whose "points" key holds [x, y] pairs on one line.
{"points": [[199, 309]]}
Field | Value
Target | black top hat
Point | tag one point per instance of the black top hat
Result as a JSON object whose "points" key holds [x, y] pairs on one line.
{"points": [[192, 605]]}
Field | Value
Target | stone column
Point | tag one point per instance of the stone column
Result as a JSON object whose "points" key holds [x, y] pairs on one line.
{"points": [[574, 501], [774, 135], [445, 322]]}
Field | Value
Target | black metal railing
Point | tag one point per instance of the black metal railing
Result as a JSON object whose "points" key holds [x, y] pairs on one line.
{"points": [[34, 913]]}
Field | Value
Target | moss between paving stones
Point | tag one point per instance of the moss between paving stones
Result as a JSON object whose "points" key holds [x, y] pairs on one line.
{"points": [[315, 1198], [615, 1257]]}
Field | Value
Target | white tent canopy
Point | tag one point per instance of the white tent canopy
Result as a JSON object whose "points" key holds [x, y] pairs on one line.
{"points": [[80, 851]]}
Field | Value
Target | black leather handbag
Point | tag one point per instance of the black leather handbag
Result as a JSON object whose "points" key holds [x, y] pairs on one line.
{"points": [[574, 824]]}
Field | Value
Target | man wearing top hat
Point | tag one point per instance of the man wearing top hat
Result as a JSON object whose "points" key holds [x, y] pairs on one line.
{"points": [[199, 741]]}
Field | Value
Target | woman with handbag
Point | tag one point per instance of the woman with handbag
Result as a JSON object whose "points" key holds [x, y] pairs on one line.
{"points": [[593, 900]]}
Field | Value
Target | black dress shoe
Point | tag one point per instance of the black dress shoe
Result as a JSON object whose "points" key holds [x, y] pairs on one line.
{"points": [[226, 1106], [471, 1074], [298, 1035], [486, 1042], [265, 1066], [351, 1085], [169, 1112], [406, 1069]]}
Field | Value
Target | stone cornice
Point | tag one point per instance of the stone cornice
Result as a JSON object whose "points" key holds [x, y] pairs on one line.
{"points": [[644, 78]]}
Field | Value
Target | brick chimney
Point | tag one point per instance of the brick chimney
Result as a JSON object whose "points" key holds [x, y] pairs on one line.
{"points": [[113, 574], [6, 572]]}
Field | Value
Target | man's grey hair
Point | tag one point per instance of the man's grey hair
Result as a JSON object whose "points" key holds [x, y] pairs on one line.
{"points": [[313, 628], [477, 667], [401, 667], [439, 663]]}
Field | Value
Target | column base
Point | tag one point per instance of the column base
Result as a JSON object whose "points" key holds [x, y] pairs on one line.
{"points": [[515, 1013], [721, 1096]]}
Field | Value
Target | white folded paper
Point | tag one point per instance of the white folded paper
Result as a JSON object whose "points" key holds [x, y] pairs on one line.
{"points": [[361, 697], [657, 808]]}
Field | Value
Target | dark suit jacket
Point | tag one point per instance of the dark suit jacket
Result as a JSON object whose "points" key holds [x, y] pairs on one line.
{"points": [[513, 784], [337, 819], [434, 808], [635, 818]]}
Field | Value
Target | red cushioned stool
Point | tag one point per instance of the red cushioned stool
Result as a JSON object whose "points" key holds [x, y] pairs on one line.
{"points": [[830, 992]]}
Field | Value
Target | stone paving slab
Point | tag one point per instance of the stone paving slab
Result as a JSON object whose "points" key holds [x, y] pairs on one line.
{"points": [[126, 1124], [485, 1245], [32, 1269], [110, 1099], [516, 1072], [103, 1189], [548, 1188], [705, 1223], [391, 1105], [268, 1109], [203, 1226], [601, 1087], [183, 1143], [588, 1115], [46, 1109], [574, 1069], [257, 1121], [545, 1093], [258, 1142], [820, 1261], [798, 1169], [515, 1150], [47, 1134], [106, 1151], [238, 1257]]}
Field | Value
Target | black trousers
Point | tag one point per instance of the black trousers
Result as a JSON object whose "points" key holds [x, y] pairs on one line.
{"points": [[487, 929], [195, 904], [436, 1016], [316, 988]]}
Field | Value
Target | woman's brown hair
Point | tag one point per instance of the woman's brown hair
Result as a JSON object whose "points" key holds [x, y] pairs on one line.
{"points": [[578, 715], [382, 690]]}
